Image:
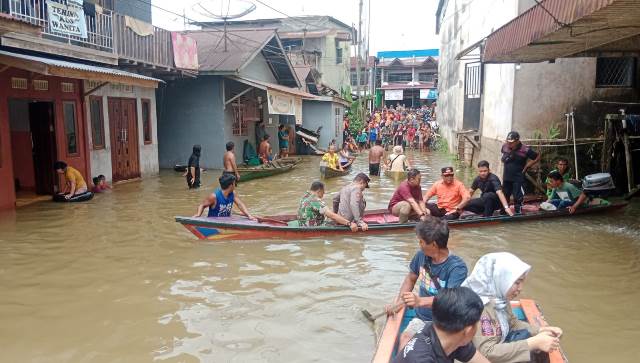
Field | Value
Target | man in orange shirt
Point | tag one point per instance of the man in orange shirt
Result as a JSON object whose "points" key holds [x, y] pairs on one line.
{"points": [[452, 196]]}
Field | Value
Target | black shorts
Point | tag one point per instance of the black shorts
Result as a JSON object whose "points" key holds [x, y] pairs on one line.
{"points": [[374, 169]]}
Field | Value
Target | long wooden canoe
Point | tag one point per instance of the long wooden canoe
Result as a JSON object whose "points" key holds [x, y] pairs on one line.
{"points": [[327, 172], [275, 167], [396, 175], [379, 221], [524, 309]]}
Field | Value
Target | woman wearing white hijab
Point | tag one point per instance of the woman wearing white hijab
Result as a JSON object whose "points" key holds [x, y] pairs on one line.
{"points": [[498, 278]]}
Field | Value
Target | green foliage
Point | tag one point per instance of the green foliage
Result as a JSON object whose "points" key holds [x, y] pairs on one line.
{"points": [[356, 124], [553, 132]]}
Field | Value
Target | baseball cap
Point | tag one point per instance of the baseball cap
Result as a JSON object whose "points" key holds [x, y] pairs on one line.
{"points": [[513, 136], [447, 170], [363, 177]]}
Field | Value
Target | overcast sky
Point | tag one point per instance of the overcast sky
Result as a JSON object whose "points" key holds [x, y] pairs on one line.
{"points": [[395, 24]]}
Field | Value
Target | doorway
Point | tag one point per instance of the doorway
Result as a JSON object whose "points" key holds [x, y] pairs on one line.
{"points": [[33, 146], [123, 125]]}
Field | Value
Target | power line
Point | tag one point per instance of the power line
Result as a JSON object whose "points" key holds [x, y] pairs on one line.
{"points": [[282, 13]]}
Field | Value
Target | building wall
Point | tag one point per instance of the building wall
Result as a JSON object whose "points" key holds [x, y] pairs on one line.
{"points": [[322, 113], [258, 69], [101, 158], [191, 113], [21, 143], [137, 9], [334, 75]]}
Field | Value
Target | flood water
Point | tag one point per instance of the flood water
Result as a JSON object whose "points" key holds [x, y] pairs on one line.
{"points": [[117, 280]]}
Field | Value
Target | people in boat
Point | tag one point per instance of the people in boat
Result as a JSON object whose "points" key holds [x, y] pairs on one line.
{"points": [[565, 194], [312, 211], [100, 184], [264, 152], [452, 196], [517, 158], [332, 159], [562, 167], [375, 156], [349, 202], [283, 141], [229, 161], [406, 202], [397, 161], [448, 338], [345, 157], [435, 268], [221, 201], [498, 279], [74, 182], [193, 168], [491, 197]]}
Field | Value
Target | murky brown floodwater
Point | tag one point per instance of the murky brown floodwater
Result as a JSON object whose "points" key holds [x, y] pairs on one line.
{"points": [[117, 280]]}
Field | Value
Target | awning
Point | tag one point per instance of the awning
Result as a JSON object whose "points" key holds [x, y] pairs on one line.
{"points": [[272, 86], [566, 28], [54, 67]]}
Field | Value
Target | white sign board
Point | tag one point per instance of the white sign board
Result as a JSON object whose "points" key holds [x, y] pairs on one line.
{"points": [[66, 19], [281, 103], [393, 95]]}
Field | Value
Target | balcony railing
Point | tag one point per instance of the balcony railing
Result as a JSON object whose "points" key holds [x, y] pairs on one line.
{"points": [[154, 49], [99, 27]]}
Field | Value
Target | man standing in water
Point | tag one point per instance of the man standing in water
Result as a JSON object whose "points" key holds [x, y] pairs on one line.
{"points": [[264, 152], [193, 168], [375, 155], [517, 159], [229, 162]]}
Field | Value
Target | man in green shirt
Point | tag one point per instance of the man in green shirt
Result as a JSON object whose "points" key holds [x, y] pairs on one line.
{"points": [[562, 167], [564, 194], [312, 210]]}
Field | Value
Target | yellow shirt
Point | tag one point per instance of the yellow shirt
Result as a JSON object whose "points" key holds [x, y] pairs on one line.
{"points": [[332, 161], [73, 176]]}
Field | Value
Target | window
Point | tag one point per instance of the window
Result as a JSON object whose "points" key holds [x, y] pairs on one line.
{"points": [[292, 43], [399, 77], [70, 127], [97, 122], [473, 80], [239, 126], [338, 55], [146, 121], [338, 120], [354, 78], [425, 77], [615, 72]]}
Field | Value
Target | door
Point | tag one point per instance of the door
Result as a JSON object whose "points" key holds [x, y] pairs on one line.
{"points": [[43, 145], [123, 124], [472, 96]]}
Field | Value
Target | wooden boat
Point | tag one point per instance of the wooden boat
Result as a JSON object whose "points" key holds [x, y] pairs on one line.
{"points": [[379, 221], [275, 167], [396, 175], [327, 172], [524, 309]]}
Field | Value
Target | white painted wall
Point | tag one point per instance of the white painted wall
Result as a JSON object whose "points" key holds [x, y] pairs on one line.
{"points": [[258, 69], [101, 159]]}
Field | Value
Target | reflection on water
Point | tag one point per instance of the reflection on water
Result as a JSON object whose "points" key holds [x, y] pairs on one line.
{"points": [[116, 279]]}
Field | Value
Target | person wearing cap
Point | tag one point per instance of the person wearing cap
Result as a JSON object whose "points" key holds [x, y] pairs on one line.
{"points": [[312, 211], [492, 197], [517, 158], [452, 196], [221, 201], [406, 202], [349, 202]]}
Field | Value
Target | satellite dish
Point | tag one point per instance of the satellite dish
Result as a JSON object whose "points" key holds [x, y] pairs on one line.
{"points": [[223, 10]]}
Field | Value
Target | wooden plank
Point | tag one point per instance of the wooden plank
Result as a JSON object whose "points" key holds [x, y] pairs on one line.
{"points": [[388, 338], [22, 41], [535, 318], [104, 77]]}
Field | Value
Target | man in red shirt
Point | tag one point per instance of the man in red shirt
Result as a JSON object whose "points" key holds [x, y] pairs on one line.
{"points": [[407, 201], [452, 196]]}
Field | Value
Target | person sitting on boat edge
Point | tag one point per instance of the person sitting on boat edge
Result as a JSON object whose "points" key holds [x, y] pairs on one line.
{"points": [[435, 267], [397, 161], [498, 279], [312, 211], [221, 201], [406, 202], [491, 197], [332, 159], [562, 167], [452, 195], [349, 202], [74, 182], [565, 194], [344, 157], [456, 313], [229, 161]]}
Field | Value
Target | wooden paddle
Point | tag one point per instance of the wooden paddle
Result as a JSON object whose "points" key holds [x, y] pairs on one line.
{"points": [[271, 220], [373, 318]]}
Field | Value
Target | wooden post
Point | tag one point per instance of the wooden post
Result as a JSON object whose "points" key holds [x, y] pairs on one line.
{"points": [[606, 153], [627, 155]]}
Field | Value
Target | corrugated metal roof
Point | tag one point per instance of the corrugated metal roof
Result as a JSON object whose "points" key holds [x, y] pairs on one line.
{"points": [[77, 66], [407, 62], [277, 87], [242, 46], [409, 53], [582, 25]]}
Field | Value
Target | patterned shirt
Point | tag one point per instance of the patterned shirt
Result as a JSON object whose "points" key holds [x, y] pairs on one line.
{"points": [[311, 211]]}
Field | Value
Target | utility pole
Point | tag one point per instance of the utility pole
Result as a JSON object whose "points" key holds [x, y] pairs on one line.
{"points": [[359, 54]]}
